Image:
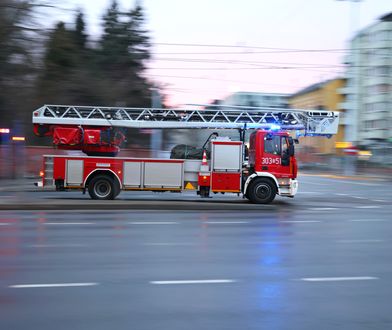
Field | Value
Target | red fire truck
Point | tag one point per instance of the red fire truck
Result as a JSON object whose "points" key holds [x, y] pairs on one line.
{"points": [[267, 168]]}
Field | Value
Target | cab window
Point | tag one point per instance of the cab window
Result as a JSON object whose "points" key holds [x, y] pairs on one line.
{"points": [[285, 146], [272, 146]]}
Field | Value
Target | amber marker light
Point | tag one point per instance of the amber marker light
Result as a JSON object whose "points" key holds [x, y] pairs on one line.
{"points": [[18, 138]]}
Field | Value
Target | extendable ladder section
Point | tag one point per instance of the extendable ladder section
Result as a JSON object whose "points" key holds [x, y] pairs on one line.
{"points": [[312, 122]]}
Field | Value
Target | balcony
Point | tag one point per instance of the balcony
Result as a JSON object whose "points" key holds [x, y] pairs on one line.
{"points": [[374, 134], [348, 59], [346, 105], [349, 89], [344, 119]]}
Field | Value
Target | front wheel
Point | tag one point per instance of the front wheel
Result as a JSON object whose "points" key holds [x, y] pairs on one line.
{"points": [[102, 187], [261, 191]]}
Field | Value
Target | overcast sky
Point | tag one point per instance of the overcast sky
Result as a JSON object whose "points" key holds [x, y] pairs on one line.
{"points": [[199, 74]]}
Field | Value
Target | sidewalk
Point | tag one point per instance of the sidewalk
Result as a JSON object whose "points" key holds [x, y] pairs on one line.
{"points": [[19, 185], [358, 177]]}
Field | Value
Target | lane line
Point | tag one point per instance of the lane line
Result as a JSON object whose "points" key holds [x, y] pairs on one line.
{"points": [[339, 194], [225, 222], [51, 285], [358, 197], [69, 223], [360, 241], [218, 281], [367, 220], [378, 200], [323, 208], [336, 279], [56, 245], [316, 183], [168, 244], [6, 224], [153, 223], [360, 183], [300, 221], [368, 207]]}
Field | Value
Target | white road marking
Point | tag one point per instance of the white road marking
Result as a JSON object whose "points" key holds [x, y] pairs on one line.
{"points": [[360, 241], [341, 194], [316, 183], [367, 220], [6, 224], [368, 207], [322, 208], [153, 223], [50, 285], [68, 223], [357, 197], [219, 281], [225, 222], [334, 279], [360, 183], [378, 200], [300, 221], [56, 245], [168, 244]]}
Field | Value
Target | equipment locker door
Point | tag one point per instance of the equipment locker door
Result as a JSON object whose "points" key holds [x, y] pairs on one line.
{"points": [[74, 175]]}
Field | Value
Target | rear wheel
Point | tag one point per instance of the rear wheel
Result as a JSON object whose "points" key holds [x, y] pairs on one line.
{"points": [[102, 187], [261, 191], [204, 192]]}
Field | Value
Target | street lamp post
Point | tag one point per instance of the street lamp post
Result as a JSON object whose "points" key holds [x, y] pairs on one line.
{"points": [[350, 134]]}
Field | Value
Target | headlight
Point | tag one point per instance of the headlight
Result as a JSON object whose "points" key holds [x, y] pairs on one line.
{"points": [[284, 182]]}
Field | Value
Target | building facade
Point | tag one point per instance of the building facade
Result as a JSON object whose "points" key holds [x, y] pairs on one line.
{"points": [[322, 96], [253, 99], [368, 91]]}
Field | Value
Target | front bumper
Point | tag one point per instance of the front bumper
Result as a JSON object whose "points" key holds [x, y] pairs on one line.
{"points": [[289, 189]]}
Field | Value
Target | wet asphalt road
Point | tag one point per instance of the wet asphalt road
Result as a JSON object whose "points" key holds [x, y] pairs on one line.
{"points": [[320, 261]]}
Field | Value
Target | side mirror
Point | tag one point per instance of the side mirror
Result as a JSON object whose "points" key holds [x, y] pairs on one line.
{"points": [[291, 150], [292, 141]]}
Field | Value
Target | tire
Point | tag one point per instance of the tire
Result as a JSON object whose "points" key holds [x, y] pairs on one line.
{"points": [[261, 191], [117, 189], [102, 187], [204, 192]]}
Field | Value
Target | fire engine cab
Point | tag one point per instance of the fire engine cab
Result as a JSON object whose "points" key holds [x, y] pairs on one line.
{"points": [[266, 169]]}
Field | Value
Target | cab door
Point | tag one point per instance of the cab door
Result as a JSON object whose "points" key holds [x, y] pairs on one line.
{"points": [[275, 157]]}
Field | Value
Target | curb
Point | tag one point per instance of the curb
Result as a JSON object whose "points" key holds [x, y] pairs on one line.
{"points": [[347, 177]]}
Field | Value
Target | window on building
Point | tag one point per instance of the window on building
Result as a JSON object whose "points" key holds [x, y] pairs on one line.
{"points": [[382, 71], [383, 88], [375, 124]]}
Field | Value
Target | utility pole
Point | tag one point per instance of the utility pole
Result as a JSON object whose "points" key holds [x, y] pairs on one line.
{"points": [[156, 134], [351, 130]]}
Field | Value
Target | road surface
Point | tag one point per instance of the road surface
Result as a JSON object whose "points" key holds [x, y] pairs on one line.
{"points": [[319, 261]]}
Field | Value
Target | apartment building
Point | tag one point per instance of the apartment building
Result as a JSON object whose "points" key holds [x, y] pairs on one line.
{"points": [[368, 103]]}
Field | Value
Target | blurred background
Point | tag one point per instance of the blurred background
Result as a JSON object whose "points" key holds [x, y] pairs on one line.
{"points": [[329, 55]]}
